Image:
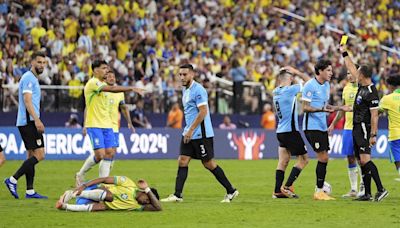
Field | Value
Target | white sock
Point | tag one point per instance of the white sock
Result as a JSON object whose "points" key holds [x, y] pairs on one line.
{"points": [[319, 190], [105, 168], [353, 177], [13, 180], [89, 163], [73, 207], [96, 194], [398, 170], [30, 191]]}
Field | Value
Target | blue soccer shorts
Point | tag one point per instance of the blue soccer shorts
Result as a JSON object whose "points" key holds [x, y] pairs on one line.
{"points": [[347, 143], [394, 150], [101, 138]]}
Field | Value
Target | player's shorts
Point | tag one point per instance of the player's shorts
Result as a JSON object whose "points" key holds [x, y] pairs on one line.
{"points": [[82, 201], [101, 137], [347, 143], [116, 137], [318, 140], [31, 137], [293, 142], [202, 149], [394, 150], [361, 134]]}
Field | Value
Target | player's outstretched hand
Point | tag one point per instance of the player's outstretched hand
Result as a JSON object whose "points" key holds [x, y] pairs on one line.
{"points": [[346, 108], [139, 91], [291, 70], [131, 127], [142, 184], [342, 48], [329, 108]]}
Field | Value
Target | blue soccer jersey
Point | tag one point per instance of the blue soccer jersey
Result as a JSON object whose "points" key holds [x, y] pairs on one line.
{"points": [[318, 96], [285, 106], [192, 98], [28, 84]]}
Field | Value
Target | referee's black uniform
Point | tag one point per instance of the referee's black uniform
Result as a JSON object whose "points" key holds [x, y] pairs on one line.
{"points": [[367, 99]]}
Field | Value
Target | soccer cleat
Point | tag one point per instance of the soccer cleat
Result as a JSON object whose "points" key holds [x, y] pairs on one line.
{"points": [[322, 196], [379, 196], [278, 195], [172, 198], [351, 194], [79, 179], [229, 197], [35, 196], [367, 197], [67, 196], [12, 188], [288, 192], [362, 190]]}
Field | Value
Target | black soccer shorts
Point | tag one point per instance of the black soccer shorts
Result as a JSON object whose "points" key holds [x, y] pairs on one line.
{"points": [[318, 140], [31, 137], [202, 149], [293, 142]]}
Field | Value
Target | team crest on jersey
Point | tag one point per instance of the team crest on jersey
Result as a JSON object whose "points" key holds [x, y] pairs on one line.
{"points": [[122, 179], [111, 101], [316, 145], [98, 83], [30, 85], [39, 142], [124, 196], [309, 94], [352, 95]]}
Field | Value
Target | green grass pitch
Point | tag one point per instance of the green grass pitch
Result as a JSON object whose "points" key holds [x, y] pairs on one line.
{"points": [[201, 207]]}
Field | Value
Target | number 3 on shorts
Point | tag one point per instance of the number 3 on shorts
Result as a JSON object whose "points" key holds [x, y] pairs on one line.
{"points": [[202, 149]]}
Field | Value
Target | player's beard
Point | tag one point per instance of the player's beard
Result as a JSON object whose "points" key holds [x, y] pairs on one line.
{"points": [[38, 70]]}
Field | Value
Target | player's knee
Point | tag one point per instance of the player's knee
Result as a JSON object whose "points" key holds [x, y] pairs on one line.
{"points": [[210, 164], [183, 162], [284, 162]]}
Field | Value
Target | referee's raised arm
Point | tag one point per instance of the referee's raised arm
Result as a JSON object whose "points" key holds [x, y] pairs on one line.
{"points": [[351, 67]]}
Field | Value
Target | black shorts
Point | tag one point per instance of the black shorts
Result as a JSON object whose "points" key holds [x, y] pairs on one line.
{"points": [[31, 137], [202, 149], [318, 140], [293, 142], [361, 134]]}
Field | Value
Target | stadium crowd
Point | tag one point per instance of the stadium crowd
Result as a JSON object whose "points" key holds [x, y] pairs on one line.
{"points": [[144, 41]]}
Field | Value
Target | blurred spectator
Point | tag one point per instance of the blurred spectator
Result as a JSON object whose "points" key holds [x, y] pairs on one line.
{"points": [[238, 75], [73, 122], [175, 117], [74, 94], [227, 124], [138, 117], [268, 118]]}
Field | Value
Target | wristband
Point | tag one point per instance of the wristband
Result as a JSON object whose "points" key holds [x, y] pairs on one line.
{"points": [[147, 190], [344, 54]]}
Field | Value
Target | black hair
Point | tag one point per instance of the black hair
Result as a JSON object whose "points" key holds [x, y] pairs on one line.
{"points": [[366, 71], [154, 191], [283, 73], [38, 54], [393, 80], [97, 63], [187, 66], [322, 65]]}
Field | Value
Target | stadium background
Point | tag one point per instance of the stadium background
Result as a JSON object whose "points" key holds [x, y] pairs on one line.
{"points": [[145, 41]]}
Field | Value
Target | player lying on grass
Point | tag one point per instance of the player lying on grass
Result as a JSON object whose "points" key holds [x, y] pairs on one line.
{"points": [[111, 193]]}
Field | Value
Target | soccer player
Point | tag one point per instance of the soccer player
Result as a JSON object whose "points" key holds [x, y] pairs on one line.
{"points": [[290, 140], [391, 104], [116, 102], [111, 193], [98, 122], [348, 97], [197, 137], [315, 97], [30, 127], [365, 126]]}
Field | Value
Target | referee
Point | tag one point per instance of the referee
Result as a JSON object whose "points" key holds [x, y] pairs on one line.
{"points": [[30, 127], [197, 138], [365, 126]]}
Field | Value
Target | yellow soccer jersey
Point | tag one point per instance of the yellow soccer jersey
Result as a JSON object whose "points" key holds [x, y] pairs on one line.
{"points": [[124, 194], [391, 104], [115, 100], [97, 109], [348, 96]]}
